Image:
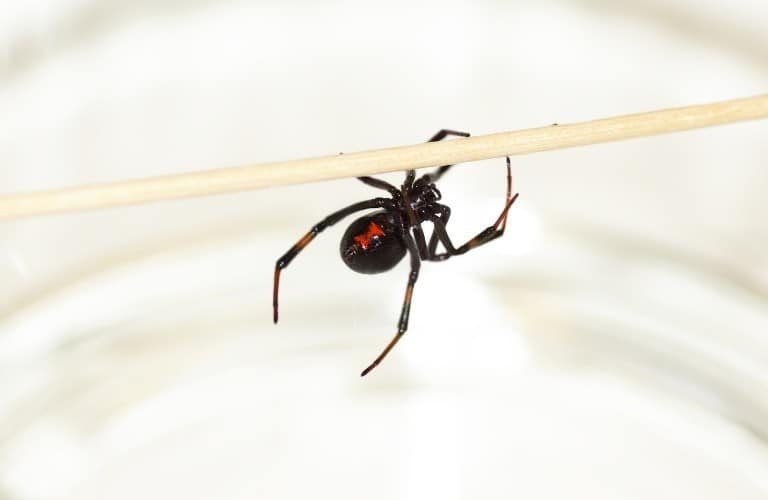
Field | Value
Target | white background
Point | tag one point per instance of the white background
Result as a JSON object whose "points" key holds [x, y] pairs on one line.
{"points": [[612, 344]]}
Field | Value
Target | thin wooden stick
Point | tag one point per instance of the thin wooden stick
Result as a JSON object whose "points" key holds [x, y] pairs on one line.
{"points": [[226, 180]]}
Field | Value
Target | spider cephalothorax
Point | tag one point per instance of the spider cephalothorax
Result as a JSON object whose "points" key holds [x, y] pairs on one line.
{"points": [[376, 242]]}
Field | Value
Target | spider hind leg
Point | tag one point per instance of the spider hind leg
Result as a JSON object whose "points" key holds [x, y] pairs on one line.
{"points": [[405, 312]]}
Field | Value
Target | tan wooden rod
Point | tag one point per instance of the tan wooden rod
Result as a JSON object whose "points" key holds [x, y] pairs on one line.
{"points": [[232, 179]]}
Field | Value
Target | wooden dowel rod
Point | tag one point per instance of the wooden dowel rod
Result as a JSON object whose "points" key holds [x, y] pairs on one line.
{"points": [[226, 180]]}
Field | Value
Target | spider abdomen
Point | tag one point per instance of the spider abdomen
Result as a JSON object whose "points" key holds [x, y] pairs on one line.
{"points": [[371, 244]]}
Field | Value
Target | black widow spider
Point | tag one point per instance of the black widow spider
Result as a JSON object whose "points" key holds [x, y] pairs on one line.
{"points": [[378, 241]]}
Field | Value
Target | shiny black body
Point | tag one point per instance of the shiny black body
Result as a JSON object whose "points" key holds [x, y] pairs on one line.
{"points": [[382, 252], [378, 241]]}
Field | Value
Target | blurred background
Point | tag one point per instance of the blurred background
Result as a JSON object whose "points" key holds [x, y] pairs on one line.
{"points": [[614, 344]]}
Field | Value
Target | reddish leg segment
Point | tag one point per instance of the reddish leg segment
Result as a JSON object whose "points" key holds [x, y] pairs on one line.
{"points": [[332, 219]]}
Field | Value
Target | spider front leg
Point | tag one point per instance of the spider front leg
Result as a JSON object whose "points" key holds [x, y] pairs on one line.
{"points": [[402, 325], [332, 219], [380, 184], [486, 235], [439, 136]]}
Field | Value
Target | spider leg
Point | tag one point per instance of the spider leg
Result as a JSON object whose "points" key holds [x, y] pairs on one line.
{"points": [[410, 175], [427, 251], [439, 136], [380, 184], [402, 325], [430, 178], [486, 235], [443, 133], [444, 214], [509, 191], [418, 232], [421, 242], [332, 219]]}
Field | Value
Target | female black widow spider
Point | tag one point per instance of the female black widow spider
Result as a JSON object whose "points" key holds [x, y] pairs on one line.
{"points": [[377, 242]]}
